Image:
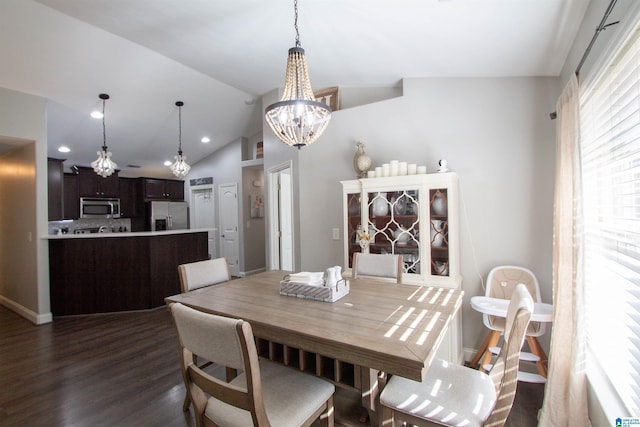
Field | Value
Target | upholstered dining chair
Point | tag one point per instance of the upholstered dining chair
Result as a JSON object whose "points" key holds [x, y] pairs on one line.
{"points": [[265, 394], [501, 282], [378, 265], [199, 274], [455, 395]]}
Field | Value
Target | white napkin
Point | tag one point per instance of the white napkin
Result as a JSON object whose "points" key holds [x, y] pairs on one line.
{"points": [[307, 278]]}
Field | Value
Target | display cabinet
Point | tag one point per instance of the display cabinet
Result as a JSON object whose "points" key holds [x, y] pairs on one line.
{"points": [[415, 216]]}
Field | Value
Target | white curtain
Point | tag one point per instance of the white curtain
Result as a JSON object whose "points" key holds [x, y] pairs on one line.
{"points": [[565, 398]]}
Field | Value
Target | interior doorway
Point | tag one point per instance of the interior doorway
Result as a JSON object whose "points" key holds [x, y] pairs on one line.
{"points": [[281, 217], [229, 236], [203, 214]]}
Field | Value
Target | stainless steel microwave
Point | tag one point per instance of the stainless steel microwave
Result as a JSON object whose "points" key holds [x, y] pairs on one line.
{"points": [[99, 208]]}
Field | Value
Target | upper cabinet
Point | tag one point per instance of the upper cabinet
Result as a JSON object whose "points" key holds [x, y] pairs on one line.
{"points": [[131, 203], [412, 215], [55, 187], [163, 189], [90, 184]]}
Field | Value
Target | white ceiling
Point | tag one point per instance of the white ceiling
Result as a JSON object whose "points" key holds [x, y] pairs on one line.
{"points": [[217, 56]]}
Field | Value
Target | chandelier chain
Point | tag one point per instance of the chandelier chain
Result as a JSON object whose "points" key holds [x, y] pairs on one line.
{"points": [[295, 8], [180, 130]]}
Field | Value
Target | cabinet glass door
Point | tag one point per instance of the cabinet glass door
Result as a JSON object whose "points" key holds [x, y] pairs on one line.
{"points": [[439, 232], [354, 227], [394, 225]]}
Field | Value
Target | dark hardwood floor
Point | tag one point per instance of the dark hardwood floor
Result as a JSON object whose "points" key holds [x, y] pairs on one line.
{"points": [[122, 370]]}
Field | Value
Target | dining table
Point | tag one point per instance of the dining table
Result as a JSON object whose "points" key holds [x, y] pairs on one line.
{"points": [[379, 328]]}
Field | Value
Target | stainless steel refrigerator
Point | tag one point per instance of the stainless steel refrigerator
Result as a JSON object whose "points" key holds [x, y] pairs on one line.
{"points": [[168, 216]]}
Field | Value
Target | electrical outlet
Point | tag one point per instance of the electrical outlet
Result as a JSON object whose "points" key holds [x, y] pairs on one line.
{"points": [[335, 234]]}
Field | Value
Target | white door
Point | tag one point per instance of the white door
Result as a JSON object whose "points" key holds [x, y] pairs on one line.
{"points": [[286, 220], [281, 250], [229, 241], [203, 215]]}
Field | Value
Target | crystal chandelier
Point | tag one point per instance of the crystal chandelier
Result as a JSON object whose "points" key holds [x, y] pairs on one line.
{"points": [[103, 165], [297, 119], [180, 168]]}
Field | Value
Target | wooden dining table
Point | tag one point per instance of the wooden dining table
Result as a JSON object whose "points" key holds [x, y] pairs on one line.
{"points": [[379, 327]]}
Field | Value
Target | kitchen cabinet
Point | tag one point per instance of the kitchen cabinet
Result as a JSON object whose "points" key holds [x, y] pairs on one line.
{"points": [[131, 203], [412, 215], [416, 216], [90, 184], [163, 189], [55, 186], [71, 196], [118, 273]]}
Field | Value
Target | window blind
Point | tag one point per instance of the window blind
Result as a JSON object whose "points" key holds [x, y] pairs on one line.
{"points": [[610, 153]]}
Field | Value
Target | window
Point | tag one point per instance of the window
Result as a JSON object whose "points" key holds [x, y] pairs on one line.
{"points": [[610, 151]]}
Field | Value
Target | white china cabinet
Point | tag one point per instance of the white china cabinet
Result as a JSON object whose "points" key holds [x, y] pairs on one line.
{"points": [[416, 216]]}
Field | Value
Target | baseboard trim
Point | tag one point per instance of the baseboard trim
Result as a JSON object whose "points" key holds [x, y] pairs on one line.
{"points": [[30, 315]]}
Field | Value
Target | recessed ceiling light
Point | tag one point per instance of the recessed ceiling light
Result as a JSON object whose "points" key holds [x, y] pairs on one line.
{"points": [[64, 149], [167, 163], [205, 139], [96, 114]]}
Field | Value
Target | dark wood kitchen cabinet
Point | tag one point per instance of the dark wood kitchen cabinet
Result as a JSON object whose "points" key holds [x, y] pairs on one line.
{"points": [[55, 188], [120, 273], [90, 184], [71, 197], [131, 203], [163, 189]]}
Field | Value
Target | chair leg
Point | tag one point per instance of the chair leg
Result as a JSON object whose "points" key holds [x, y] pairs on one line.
{"points": [[490, 341], [187, 402], [536, 348], [327, 417]]}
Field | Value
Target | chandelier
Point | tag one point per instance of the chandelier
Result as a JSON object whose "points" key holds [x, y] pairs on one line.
{"points": [[297, 119], [180, 168], [103, 165]]}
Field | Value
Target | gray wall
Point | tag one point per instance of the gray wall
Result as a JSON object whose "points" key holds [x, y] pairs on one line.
{"points": [[494, 132], [24, 257]]}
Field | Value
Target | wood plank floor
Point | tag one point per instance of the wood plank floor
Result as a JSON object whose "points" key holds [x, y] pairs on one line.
{"points": [[122, 370]]}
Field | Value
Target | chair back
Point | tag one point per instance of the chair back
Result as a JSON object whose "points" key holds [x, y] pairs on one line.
{"points": [[378, 265], [504, 372], [501, 283], [199, 274], [227, 342]]}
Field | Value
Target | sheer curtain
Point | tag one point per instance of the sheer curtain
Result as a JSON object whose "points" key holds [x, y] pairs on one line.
{"points": [[565, 398]]}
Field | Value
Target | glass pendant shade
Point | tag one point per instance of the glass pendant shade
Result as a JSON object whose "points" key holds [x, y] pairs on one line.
{"points": [[180, 168], [103, 165]]}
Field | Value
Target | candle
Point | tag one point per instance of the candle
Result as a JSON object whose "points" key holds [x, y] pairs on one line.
{"points": [[402, 170], [386, 169], [393, 167], [412, 169], [422, 169], [378, 172], [371, 174]]}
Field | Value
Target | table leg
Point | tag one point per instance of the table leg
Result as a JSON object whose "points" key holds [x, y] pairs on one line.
{"points": [[371, 382]]}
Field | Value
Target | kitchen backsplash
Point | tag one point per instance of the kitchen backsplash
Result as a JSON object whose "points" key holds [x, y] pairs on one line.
{"points": [[120, 225]]}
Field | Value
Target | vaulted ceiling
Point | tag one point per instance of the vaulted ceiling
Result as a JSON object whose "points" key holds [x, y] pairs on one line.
{"points": [[220, 57]]}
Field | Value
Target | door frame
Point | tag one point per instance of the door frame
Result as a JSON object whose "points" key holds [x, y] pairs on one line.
{"points": [[273, 253]]}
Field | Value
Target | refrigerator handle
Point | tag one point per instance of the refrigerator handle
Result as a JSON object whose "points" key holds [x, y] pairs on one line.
{"points": [[169, 222]]}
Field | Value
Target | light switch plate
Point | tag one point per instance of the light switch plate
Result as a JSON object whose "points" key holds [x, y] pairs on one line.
{"points": [[335, 233]]}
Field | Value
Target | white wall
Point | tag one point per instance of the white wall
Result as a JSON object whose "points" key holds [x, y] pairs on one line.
{"points": [[494, 132], [24, 257]]}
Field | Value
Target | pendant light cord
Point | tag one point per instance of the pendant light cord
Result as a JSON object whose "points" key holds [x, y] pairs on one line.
{"points": [[180, 130], [104, 129]]}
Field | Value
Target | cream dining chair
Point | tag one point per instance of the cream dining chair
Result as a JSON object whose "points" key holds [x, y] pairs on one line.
{"points": [[264, 394], [199, 274], [455, 395], [377, 265]]}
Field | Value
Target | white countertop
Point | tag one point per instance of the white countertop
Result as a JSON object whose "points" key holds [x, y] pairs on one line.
{"points": [[126, 234]]}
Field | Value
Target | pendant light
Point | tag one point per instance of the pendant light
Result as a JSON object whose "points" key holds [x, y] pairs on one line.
{"points": [[297, 119], [180, 168], [103, 165]]}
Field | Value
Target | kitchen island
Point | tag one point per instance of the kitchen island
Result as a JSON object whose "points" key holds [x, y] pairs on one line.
{"points": [[107, 272]]}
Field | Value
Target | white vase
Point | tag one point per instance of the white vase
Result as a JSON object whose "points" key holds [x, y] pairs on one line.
{"points": [[380, 206], [361, 161], [439, 205]]}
